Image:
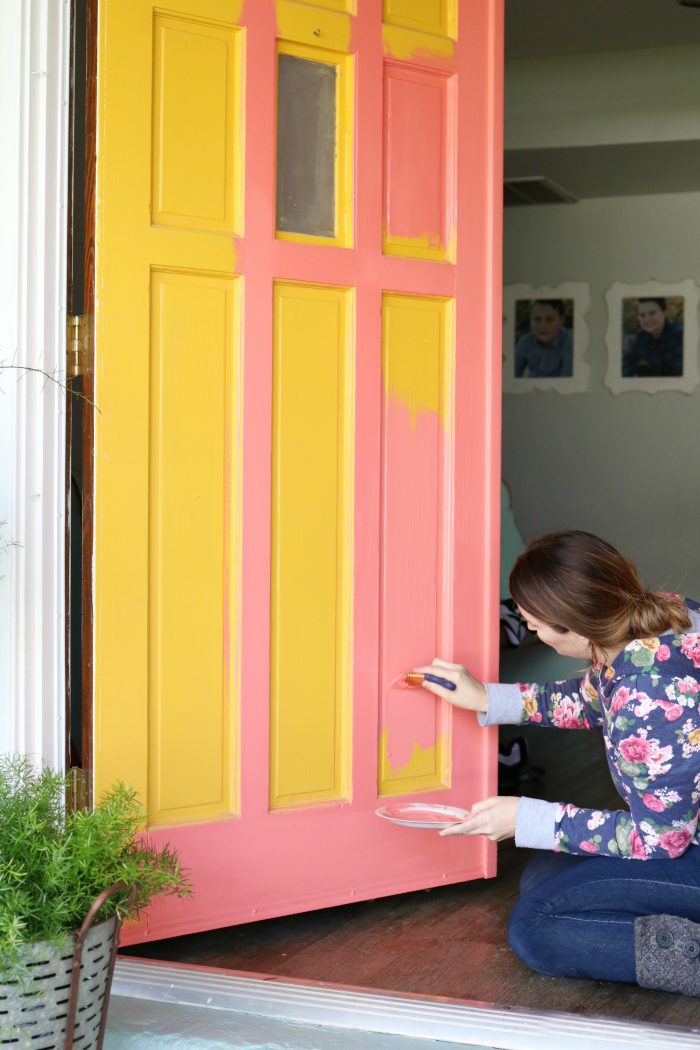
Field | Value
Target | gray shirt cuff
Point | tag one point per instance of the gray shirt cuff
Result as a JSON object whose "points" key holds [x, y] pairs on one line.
{"points": [[505, 705], [535, 823]]}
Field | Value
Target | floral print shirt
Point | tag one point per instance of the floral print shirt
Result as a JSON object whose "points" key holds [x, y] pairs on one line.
{"points": [[647, 704]]}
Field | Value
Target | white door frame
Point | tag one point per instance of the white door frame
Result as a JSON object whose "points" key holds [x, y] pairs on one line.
{"points": [[34, 86]]}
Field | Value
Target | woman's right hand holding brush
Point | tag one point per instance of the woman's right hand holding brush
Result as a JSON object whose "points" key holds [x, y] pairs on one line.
{"points": [[466, 692]]}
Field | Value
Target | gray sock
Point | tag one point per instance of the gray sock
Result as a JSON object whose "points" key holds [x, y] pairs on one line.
{"points": [[667, 953]]}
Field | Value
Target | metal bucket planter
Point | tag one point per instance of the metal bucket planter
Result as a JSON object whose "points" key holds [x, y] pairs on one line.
{"points": [[61, 1000]]}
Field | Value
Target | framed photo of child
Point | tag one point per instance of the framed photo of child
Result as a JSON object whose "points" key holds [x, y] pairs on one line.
{"points": [[545, 338], [652, 337]]}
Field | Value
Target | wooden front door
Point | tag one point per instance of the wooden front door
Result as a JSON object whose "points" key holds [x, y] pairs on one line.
{"points": [[297, 452]]}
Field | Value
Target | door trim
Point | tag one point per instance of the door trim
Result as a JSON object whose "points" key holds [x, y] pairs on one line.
{"points": [[34, 64], [340, 1006]]}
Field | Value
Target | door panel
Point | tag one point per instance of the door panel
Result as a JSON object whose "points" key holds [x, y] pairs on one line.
{"points": [[418, 186], [192, 775], [429, 16], [311, 570], [297, 458], [197, 167], [416, 453]]}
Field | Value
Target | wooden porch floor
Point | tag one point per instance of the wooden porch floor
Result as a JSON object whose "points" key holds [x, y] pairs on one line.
{"points": [[450, 941]]}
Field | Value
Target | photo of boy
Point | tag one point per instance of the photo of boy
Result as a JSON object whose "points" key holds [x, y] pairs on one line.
{"points": [[544, 345], [652, 336]]}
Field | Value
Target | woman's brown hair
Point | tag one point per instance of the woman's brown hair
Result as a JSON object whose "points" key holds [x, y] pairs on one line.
{"points": [[575, 581]]}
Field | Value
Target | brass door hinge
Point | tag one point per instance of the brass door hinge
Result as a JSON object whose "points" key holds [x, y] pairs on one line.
{"points": [[79, 345]]}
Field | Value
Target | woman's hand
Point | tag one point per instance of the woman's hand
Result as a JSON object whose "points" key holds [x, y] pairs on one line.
{"points": [[469, 694], [493, 817]]}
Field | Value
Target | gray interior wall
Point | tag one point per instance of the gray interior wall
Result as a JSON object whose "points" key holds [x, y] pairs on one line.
{"points": [[625, 467]]}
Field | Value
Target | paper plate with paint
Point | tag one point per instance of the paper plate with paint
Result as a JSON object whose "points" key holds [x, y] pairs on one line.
{"points": [[422, 815]]}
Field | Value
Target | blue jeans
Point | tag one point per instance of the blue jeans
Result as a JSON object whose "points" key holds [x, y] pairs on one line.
{"points": [[575, 916]]}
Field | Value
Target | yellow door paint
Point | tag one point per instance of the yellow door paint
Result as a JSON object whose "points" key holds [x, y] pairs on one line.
{"points": [[193, 556], [417, 336], [312, 544], [197, 180], [168, 382], [438, 17]]}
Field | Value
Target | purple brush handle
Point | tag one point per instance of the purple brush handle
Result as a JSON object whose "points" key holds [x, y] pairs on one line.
{"points": [[440, 681]]}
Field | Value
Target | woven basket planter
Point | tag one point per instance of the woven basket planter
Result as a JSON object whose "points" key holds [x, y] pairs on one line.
{"points": [[61, 999]]}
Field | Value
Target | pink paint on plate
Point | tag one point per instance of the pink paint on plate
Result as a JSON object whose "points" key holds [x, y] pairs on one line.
{"points": [[422, 814]]}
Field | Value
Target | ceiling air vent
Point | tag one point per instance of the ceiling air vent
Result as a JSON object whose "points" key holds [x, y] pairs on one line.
{"points": [[535, 189]]}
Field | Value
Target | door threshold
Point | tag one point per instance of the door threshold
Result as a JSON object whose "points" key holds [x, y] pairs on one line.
{"points": [[318, 1003]]}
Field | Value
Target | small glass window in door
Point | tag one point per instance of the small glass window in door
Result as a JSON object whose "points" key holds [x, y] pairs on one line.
{"points": [[313, 148]]}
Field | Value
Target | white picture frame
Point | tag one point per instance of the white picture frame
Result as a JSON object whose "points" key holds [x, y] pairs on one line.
{"points": [[635, 363], [560, 364]]}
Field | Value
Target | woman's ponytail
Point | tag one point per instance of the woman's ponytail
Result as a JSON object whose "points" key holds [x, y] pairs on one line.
{"points": [[651, 613]]}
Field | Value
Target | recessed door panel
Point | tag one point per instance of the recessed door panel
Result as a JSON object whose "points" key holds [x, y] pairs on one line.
{"points": [[194, 570], [197, 132], [417, 337], [427, 16], [311, 554], [418, 163]]}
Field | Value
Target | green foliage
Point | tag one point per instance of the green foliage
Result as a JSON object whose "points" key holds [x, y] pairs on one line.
{"points": [[54, 863]]}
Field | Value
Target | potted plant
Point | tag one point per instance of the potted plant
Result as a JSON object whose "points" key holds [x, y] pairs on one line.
{"points": [[67, 880]]}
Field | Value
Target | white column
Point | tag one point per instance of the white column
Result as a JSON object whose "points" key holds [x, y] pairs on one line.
{"points": [[34, 77]]}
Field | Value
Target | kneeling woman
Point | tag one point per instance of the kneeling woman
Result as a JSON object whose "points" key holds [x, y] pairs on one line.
{"points": [[618, 896]]}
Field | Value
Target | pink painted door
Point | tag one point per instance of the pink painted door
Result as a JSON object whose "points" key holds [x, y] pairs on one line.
{"points": [[297, 474]]}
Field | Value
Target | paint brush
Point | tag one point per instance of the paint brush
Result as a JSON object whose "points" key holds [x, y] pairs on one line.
{"points": [[416, 678]]}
